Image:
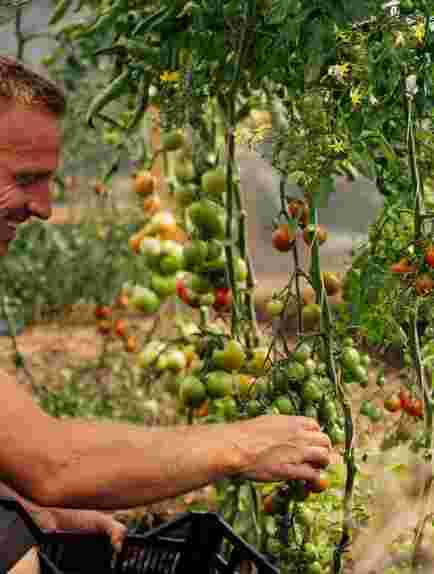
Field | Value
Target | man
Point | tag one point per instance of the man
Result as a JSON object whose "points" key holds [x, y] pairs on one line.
{"points": [[105, 465]]}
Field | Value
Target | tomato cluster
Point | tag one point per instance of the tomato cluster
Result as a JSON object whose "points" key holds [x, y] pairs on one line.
{"points": [[417, 269]]}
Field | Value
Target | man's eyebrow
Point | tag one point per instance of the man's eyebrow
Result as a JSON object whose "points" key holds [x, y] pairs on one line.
{"points": [[34, 171]]}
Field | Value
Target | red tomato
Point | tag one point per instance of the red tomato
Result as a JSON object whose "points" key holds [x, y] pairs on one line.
{"points": [[404, 397], [181, 290], [429, 256], [223, 298], [316, 488], [120, 328]]}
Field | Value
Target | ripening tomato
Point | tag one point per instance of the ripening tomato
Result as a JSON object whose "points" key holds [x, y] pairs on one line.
{"points": [[144, 183], [392, 404], [283, 238], [274, 307], [317, 487], [424, 285], [233, 356], [332, 283], [429, 256], [402, 266]]}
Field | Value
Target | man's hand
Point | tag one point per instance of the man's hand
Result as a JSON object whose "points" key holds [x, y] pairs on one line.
{"points": [[85, 520], [70, 519], [279, 447]]}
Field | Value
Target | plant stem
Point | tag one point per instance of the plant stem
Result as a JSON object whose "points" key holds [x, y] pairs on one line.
{"points": [[414, 339]]}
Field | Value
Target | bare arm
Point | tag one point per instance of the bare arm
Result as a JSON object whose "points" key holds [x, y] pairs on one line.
{"points": [[112, 465]]}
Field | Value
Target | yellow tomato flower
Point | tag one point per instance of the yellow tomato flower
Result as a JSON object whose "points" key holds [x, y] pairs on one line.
{"points": [[419, 32], [169, 77], [337, 146], [356, 96]]}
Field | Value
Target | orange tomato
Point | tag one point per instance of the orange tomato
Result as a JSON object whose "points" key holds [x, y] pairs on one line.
{"points": [[144, 183], [131, 344], [120, 328]]}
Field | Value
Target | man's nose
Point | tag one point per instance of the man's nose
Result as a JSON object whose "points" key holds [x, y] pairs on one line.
{"points": [[40, 204]]}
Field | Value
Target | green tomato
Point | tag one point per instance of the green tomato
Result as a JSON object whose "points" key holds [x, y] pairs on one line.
{"points": [[314, 568], [274, 307], [215, 249], [234, 356], [172, 141], [195, 254], [311, 392], [311, 411], [230, 408], [209, 219], [284, 406], [145, 300], [329, 410], [200, 284], [302, 353], [214, 182], [361, 375], [192, 391], [241, 270], [337, 435], [281, 382], [185, 194], [262, 387], [365, 360], [170, 264], [218, 359], [219, 384], [254, 408], [310, 551], [310, 367], [259, 364], [296, 371], [176, 360], [163, 285], [350, 358]]}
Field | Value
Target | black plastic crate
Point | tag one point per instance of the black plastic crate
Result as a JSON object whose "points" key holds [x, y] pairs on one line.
{"points": [[193, 542]]}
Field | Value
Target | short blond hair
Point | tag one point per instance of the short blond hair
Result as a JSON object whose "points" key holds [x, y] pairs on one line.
{"points": [[21, 85]]}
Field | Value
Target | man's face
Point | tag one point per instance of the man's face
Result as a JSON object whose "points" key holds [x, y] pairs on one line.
{"points": [[30, 142]]}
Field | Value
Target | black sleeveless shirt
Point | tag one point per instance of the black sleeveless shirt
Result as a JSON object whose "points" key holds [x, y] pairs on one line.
{"points": [[15, 538]]}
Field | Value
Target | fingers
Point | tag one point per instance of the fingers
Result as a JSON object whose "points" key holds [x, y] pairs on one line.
{"points": [[317, 439], [117, 537], [317, 456], [303, 472]]}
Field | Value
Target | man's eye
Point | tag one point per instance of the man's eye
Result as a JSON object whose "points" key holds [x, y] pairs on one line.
{"points": [[26, 179]]}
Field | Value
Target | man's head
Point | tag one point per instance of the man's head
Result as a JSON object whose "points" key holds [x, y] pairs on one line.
{"points": [[30, 142]]}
